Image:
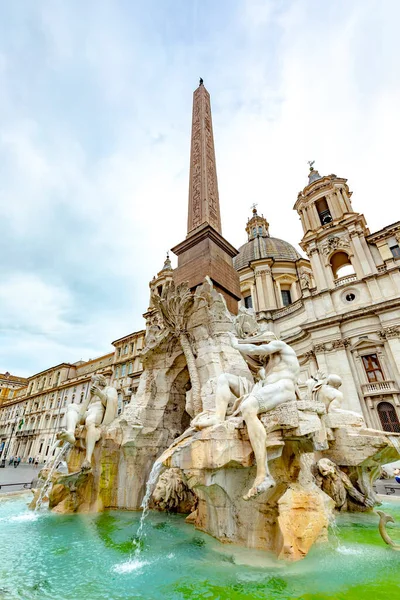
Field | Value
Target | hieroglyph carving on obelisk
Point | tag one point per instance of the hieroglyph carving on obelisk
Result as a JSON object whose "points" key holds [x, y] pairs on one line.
{"points": [[203, 184]]}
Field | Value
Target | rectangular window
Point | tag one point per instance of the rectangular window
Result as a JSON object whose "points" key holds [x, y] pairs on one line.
{"points": [[126, 349], [395, 250], [116, 372], [248, 301], [130, 370], [286, 298], [372, 368], [123, 370]]}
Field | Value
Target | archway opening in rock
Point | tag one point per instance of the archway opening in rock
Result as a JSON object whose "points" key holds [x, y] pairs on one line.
{"points": [[176, 419]]}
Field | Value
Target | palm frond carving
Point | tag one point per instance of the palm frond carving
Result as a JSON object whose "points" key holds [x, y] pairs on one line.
{"points": [[175, 305]]}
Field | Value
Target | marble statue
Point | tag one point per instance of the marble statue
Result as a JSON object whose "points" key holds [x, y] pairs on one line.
{"points": [[277, 369], [338, 486], [99, 408], [325, 389], [384, 518]]}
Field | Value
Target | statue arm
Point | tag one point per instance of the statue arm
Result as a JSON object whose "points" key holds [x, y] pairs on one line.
{"points": [[262, 350], [353, 492]]}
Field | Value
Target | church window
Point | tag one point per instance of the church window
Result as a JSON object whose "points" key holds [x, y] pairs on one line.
{"points": [[372, 368], [123, 370], [248, 301], [260, 230], [395, 250], [388, 417], [254, 230], [159, 290], [350, 297], [286, 297], [323, 211]]}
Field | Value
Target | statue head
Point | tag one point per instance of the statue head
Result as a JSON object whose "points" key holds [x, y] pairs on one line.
{"points": [[334, 381], [98, 379], [326, 467], [170, 489]]}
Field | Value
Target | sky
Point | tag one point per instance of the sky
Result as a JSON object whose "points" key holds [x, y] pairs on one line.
{"points": [[95, 117]]}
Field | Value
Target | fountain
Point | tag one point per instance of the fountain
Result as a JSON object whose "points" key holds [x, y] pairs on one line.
{"points": [[45, 488], [193, 456], [248, 466]]}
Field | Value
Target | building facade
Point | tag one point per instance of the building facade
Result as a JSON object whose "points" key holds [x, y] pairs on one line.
{"points": [[9, 384], [339, 307]]}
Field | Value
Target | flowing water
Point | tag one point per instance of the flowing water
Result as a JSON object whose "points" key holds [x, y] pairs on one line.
{"points": [[65, 557], [47, 484], [150, 485]]}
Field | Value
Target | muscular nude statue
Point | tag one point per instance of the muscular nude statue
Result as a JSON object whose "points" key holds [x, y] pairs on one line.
{"points": [[99, 408], [278, 371]]}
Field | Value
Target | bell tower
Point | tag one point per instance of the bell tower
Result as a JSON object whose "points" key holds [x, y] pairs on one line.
{"points": [[205, 252], [334, 234]]}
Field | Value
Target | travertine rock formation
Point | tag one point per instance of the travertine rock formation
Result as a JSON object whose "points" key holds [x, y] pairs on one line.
{"points": [[217, 463]]}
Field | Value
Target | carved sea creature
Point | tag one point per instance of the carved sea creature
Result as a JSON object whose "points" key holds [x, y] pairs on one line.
{"points": [[383, 519]]}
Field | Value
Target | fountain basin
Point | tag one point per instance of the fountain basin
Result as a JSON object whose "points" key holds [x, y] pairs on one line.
{"points": [[65, 557]]}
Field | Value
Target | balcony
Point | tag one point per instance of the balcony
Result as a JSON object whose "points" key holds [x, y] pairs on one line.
{"points": [[379, 388], [287, 310], [345, 280]]}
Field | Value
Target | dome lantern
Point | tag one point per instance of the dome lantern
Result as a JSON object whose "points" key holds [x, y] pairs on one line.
{"points": [[257, 226]]}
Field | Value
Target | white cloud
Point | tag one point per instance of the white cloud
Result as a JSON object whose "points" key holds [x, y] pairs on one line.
{"points": [[94, 144]]}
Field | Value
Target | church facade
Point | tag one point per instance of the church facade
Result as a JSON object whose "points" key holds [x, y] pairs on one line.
{"points": [[338, 305]]}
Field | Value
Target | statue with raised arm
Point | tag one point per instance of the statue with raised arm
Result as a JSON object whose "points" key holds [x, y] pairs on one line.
{"points": [[99, 408], [277, 369]]}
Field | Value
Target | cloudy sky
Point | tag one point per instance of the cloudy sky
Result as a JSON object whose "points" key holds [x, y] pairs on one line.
{"points": [[95, 112]]}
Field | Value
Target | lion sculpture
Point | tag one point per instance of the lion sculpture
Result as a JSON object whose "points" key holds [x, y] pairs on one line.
{"points": [[171, 492]]}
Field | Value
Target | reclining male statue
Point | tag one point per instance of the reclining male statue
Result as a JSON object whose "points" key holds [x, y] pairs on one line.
{"points": [[99, 408], [278, 371]]}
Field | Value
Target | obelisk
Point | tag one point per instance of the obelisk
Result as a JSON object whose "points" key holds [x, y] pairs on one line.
{"points": [[205, 252]]}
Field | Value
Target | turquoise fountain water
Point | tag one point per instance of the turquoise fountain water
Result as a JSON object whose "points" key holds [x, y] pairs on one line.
{"points": [[66, 557]]}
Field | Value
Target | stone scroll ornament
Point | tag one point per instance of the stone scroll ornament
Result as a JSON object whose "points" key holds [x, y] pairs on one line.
{"points": [[174, 306]]}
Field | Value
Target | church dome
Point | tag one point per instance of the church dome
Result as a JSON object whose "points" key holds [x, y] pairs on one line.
{"points": [[265, 247]]}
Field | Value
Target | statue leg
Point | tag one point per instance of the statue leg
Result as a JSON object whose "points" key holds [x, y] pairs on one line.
{"points": [[93, 420], [73, 417], [223, 395], [258, 439]]}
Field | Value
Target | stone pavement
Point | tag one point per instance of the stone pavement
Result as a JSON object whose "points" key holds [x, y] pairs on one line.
{"points": [[22, 474]]}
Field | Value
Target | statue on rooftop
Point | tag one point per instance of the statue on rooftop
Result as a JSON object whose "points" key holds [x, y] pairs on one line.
{"points": [[99, 408]]}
